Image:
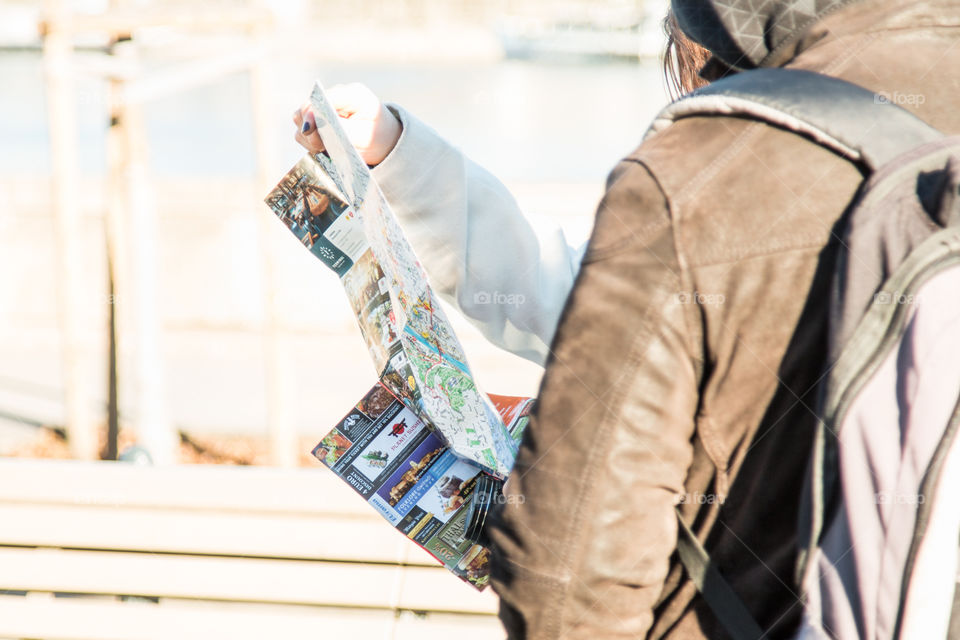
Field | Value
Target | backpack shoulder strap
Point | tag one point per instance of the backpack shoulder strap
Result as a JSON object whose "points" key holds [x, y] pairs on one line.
{"points": [[863, 126], [720, 596]]}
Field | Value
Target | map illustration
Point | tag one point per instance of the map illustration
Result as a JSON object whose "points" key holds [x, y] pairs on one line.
{"points": [[336, 209]]}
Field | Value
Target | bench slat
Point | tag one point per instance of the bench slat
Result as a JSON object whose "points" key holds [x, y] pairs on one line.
{"points": [[281, 536], [77, 619], [200, 487], [240, 579]]}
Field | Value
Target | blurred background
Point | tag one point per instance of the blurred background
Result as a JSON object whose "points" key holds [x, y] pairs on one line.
{"points": [[152, 308], [148, 298]]}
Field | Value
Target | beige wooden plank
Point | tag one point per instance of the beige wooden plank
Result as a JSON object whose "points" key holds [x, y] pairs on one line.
{"points": [[206, 487], [240, 579], [77, 619], [280, 536]]}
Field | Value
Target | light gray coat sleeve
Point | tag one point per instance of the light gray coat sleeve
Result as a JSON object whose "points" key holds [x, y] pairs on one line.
{"points": [[481, 254]]}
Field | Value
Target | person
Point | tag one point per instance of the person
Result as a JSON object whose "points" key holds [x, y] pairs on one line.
{"points": [[684, 343]]}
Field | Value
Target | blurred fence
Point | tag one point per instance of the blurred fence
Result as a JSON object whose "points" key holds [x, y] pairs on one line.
{"points": [[249, 332]]}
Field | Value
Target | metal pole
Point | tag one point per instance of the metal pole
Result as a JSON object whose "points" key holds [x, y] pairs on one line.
{"points": [[118, 265]]}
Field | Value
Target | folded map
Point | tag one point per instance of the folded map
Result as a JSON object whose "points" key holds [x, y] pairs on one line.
{"points": [[415, 444]]}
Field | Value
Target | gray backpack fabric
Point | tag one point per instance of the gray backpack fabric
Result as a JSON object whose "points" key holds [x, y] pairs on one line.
{"points": [[880, 519]]}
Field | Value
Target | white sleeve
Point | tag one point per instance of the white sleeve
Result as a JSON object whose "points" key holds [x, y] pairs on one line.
{"points": [[481, 254]]}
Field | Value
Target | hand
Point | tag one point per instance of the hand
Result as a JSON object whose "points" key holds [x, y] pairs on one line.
{"points": [[369, 125]]}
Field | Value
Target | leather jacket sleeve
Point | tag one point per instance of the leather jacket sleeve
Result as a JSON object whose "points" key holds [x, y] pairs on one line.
{"points": [[583, 543]]}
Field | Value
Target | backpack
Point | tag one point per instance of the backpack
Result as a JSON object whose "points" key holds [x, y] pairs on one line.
{"points": [[880, 523]]}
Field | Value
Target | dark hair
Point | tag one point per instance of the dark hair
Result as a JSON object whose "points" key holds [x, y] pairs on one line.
{"points": [[682, 60]]}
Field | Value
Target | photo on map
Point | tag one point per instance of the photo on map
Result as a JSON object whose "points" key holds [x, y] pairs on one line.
{"points": [[451, 491], [307, 202], [395, 437], [404, 479], [332, 448], [398, 377], [475, 566], [379, 329], [364, 282], [376, 401], [448, 543]]}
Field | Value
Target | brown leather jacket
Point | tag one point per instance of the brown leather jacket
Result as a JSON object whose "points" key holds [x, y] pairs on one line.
{"points": [[685, 367]]}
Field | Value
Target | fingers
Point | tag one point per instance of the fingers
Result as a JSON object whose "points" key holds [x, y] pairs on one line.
{"points": [[360, 110], [306, 134], [309, 131]]}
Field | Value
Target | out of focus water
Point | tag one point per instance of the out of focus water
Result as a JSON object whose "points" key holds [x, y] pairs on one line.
{"points": [[550, 131], [526, 121]]}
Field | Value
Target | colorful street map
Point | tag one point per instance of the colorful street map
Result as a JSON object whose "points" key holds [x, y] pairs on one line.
{"points": [[333, 205]]}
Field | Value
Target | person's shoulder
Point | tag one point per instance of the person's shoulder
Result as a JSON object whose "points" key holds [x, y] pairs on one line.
{"points": [[737, 188], [632, 213], [692, 143]]}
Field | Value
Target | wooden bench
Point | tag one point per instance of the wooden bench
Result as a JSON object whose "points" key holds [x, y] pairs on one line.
{"points": [[111, 551]]}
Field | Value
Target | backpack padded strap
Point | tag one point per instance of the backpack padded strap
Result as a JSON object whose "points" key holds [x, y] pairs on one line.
{"points": [[720, 596], [862, 126]]}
